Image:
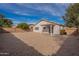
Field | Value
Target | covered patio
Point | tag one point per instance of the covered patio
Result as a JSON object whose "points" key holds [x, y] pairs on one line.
{"points": [[51, 29]]}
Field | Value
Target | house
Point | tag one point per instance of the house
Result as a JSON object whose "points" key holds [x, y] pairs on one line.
{"points": [[45, 26], [31, 26]]}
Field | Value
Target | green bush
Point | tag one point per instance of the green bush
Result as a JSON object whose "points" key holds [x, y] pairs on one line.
{"points": [[63, 32], [5, 22], [23, 26]]}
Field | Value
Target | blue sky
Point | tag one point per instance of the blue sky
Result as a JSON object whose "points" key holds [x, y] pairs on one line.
{"points": [[31, 13]]}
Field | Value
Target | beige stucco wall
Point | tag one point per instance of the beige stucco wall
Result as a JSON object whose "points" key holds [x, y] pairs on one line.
{"points": [[13, 29], [40, 26], [56, 29], [70, 30]]}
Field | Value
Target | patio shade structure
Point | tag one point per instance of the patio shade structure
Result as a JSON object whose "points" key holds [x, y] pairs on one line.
{"points": [[50, 28]]}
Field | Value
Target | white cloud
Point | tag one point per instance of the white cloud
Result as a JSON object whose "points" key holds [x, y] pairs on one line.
{"points": [[51, 9], [57, 10], [43, 8], [21, 13]]}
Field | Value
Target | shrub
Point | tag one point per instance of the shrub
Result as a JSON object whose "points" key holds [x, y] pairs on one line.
{"points": [[23, 26]]}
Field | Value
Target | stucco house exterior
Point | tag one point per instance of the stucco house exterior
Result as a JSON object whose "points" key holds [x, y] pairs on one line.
{"points": [[45, 26], [31, 26]]}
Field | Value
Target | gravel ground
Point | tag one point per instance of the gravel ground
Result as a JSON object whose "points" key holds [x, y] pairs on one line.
{"points": [[32, 44]]}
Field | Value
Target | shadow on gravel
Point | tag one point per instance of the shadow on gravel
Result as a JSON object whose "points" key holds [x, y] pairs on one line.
{"points": [[70, 46], [12, 46]]}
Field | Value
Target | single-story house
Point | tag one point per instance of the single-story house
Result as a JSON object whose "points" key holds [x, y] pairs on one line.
{"points": [[31, 26], [45, 26]]}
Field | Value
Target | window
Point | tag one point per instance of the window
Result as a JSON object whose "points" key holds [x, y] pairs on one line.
{"points": [[44, 27], [36, 28]]}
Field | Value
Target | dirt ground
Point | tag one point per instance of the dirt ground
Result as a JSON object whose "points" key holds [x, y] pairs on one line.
{"points": [[32, 44]]}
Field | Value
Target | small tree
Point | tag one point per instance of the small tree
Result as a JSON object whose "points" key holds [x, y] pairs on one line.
{"points": [[23, 26], [71, 16], [7, 23], [4, 22]]}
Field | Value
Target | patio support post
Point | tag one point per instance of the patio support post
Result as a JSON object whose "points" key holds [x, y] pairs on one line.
{"points": [[51, 30]]}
